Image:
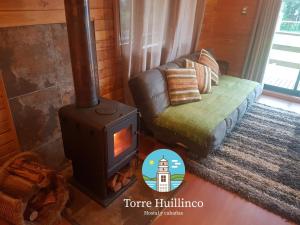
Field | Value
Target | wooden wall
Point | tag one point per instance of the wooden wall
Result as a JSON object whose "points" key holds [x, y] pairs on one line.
{"points": [[9, 144], [30, 12], [227, 32]]}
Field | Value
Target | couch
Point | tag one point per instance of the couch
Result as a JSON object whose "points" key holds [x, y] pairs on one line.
{"points": [[199, 126]]}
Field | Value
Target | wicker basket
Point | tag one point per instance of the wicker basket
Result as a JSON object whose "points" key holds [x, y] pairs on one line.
{"points": [[22, 178]]}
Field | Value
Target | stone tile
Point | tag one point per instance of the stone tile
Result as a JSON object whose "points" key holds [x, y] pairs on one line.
{"points": [[28, 59], [52, 153], [35, 116], [62, 56], [36, 66]]}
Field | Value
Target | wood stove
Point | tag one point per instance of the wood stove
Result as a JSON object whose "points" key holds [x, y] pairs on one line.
{"points": [[100, 141], [99, 135]]}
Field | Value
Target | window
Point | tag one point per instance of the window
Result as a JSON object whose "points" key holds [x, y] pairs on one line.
{"points": [[152, 31], [163, 178], [290, 15], [125, 21]]}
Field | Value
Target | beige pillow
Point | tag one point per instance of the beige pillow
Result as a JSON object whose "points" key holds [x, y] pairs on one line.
{"points": [[203, 76], [182, 86], [208, 60]]}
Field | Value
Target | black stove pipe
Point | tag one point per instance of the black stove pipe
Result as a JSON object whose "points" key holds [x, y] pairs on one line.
{"points": [[82, 52]]}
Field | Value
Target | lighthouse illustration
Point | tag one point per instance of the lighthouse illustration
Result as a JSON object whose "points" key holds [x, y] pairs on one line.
{"points": [[163, 176]]}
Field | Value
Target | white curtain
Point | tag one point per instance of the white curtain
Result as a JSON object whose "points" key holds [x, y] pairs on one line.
{"points": [[154, 32], [261, 41]]}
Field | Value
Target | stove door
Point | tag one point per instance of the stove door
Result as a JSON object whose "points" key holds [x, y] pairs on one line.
{"points": [[121, 143]]}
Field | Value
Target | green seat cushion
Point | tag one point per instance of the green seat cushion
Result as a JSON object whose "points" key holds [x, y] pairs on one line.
{"points": [[196, 121]]}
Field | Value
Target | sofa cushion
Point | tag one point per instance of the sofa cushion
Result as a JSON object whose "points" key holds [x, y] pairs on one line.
{"points": [[208, 60], [181, 61], [208, 119], [203, 76], [182, 86]]}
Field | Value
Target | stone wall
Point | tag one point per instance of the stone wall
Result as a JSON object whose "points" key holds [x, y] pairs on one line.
{"points": [[35, 64]]}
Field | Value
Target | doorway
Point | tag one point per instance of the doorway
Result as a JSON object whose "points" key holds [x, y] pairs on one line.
{"points": [[283, 69]]}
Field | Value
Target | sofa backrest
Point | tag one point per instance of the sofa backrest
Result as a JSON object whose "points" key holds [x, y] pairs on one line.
{"points": [[149, 91]]}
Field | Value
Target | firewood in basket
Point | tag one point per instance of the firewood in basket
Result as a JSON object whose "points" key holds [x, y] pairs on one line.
{"points": [[50, 198], [41, 179], [31, 214], [43, 198], [34, 215], [18, 187], [31, 166], [37, 201], [33, 177]]}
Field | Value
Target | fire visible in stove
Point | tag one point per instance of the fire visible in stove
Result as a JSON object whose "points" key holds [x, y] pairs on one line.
{"points": [[122, 140]]}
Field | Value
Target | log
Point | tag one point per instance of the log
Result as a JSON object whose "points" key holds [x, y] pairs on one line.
{"points": [[114, 184], [112, 181], [50, 199], [125, 175], [31, 171], [43, 198], [31, 166], [34, 178], [18, 187], [31, 214]]}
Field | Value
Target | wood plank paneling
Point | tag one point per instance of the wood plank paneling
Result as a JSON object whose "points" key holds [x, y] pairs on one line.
{"points": [[8, 137], [227, 32], [106, 24], [23, 5], [32, 17]]}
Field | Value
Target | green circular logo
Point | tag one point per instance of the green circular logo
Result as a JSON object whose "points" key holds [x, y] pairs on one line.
{"points": [[163, 170]]}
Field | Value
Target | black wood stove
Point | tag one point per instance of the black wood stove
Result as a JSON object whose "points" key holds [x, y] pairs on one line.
{"points": [[99, 135]]}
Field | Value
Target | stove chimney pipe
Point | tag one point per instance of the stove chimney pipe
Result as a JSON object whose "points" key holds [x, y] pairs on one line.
{"points": [[83, 58]]}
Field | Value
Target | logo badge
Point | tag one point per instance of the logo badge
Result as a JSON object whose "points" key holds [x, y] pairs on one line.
{"points": [[163, 170]]}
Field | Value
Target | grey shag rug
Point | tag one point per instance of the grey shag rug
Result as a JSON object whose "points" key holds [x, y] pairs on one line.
{"points": [[260, 161]]}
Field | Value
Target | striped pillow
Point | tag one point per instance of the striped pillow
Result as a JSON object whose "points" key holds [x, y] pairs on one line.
{"points": [[182, 86], [208, 60], [203, 76]]}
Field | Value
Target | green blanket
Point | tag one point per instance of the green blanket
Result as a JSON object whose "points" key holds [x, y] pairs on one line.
{"points": [[197, 120]]}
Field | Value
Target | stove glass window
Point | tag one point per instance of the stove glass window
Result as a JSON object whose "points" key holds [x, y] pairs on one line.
{"points": [[122, 140]]}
